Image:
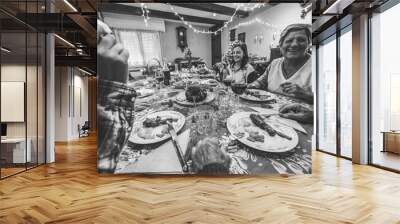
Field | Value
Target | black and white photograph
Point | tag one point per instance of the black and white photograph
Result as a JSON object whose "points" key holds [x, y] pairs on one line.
{"points": [[206, 89]]}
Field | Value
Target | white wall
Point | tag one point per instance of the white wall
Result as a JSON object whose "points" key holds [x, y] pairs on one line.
{"points": [[33, 126], [199, 44], [12, 73], [279, 16], [67, 115]]}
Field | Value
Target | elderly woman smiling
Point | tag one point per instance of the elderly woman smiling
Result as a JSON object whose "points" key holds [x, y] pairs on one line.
{"points": [[291, 74]]}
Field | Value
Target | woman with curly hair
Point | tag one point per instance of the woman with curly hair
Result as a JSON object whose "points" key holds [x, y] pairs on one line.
{"points": [[240, 67]]}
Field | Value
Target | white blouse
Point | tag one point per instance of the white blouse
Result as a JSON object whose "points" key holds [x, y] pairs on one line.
{"points": [[275, 77], [240, 76]]}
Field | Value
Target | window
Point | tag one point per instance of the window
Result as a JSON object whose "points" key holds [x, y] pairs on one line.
{"points": [[385, 88], [346, 93], [327, 96], [143, 46]]}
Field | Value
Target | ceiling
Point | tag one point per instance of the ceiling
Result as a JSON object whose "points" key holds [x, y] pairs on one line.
{"points": [[183, 11], [73, 20], [332, 15]]}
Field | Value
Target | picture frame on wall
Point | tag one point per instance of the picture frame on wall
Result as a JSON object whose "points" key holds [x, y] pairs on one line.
{"points": [[242, 37], [232, 35]]}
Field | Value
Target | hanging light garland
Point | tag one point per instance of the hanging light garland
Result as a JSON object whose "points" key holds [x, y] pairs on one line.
{"points": [[306, 9], [247, 8], [256, 20], [145, 13], [203, 31]]}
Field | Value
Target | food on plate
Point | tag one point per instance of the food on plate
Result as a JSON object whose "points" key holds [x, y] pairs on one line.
{"points": [[144, 92], [155, 127], [259, 138], [202, 69], [283, 135], [152, 133], [163, 132], [146, 133], [256, 94], [244, 123], [195, 93], [254, 135], [193, 82], [239, 134], [259, 122], [157, 121], [212, 82], [180, 85]]}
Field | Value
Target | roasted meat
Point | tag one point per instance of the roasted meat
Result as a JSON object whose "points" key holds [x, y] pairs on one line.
{"points": [[195, 93]]}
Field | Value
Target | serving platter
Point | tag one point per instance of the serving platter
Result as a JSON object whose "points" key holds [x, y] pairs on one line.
{"points": [[181, 99]]}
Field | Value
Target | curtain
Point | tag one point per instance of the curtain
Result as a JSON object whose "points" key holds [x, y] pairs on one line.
{"points": [[143, 46]]}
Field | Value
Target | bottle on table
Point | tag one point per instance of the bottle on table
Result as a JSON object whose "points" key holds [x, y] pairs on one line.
{"points": [[167, 75]]}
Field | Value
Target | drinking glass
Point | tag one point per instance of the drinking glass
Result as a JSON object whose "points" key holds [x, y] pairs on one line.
{"points": [[238, 89]]}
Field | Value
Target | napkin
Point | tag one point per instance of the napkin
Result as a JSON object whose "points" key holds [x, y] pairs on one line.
{"points": [[163, 159], [281, 120]]}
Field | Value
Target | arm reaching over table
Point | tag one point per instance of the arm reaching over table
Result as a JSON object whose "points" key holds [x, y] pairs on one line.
{"points": [[115, 99], [297, 112]]}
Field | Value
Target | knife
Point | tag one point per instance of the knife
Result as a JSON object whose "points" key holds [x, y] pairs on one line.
{"points": [[178, 149]]}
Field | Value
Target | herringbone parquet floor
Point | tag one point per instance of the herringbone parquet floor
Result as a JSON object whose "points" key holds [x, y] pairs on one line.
{"points": [[71, 191]]}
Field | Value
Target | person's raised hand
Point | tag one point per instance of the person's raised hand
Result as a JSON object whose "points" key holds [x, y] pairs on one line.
{"points": [[208, 152], [112, 57], [291, 88], [296, 112], [102, 30]]}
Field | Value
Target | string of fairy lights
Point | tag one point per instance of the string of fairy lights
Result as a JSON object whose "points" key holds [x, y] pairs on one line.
{"points": [[255, 20], [145, 13], [204, 31], [247, 8], [239, 6]]}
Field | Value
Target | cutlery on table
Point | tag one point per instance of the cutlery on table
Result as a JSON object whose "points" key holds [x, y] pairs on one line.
{"points": [[178, 149]]}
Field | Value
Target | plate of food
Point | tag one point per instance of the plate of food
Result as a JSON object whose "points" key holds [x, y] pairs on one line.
{"points": [[262, 134], [179, 85], [257, 95], [210, 82], [194, 94], [153, 127], [144, 92]]}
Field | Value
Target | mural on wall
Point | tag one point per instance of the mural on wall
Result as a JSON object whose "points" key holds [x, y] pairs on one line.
{"points": [[243, 115]]}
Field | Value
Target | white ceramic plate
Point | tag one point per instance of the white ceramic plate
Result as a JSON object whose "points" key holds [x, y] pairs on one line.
{"points": [[181, 99], [151, 133], [269, 96], [241, 122]]}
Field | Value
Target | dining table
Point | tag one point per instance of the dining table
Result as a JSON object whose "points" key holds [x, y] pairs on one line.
{"points": [[153, 158]]}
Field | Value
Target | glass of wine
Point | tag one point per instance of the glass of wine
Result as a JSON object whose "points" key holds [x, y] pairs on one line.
{"points": [[238, 88], [227, 82]]}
